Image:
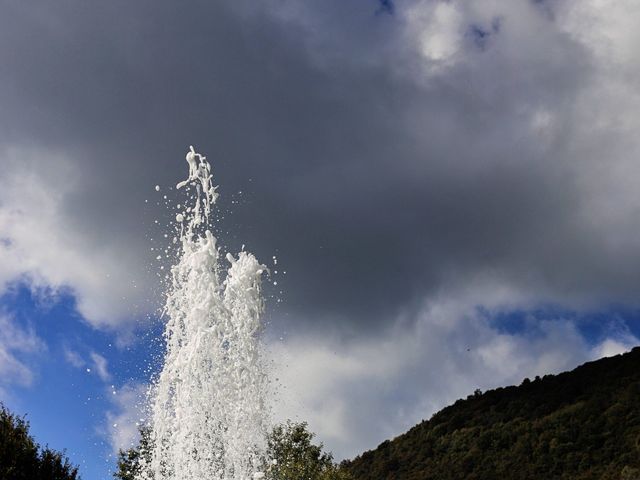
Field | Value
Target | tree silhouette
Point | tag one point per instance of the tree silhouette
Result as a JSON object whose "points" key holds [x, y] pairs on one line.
{"points": [[21, 458]]}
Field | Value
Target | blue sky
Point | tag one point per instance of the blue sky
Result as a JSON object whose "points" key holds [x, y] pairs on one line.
{"points": [[451, 188], [70, 393]]}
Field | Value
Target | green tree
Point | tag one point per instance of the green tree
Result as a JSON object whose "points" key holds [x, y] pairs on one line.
{"points": [[21, 458], [129, 461], [294, 456], [55, 465]]}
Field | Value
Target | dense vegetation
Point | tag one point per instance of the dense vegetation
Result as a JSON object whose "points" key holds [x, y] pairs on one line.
{"points": [[291, 455], [129, 465], [583, 424], [21, 458], [295, 456]]}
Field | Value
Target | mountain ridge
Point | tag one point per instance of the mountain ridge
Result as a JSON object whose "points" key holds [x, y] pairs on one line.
{"points": [[580, 424]]}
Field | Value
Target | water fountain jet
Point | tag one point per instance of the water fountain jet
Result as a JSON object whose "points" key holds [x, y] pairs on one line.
{"points": [[208, 412]]}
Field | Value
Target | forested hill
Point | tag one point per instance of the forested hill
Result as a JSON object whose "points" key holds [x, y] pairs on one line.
{"points": [[583, 424]]}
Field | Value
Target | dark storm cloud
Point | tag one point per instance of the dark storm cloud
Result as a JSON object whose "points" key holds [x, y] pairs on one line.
{"points": [[375, 182]]}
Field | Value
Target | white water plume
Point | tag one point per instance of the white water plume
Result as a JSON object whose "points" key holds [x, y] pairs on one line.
{"points": [[208, 413]]}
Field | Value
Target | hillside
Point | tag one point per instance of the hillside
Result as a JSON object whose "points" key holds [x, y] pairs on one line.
{"points": [[583, 424]]}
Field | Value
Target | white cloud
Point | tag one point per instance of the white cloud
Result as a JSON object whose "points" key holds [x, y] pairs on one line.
{"points": [[129, 403], [611, 347], [73, 358], [439, 30], [44, 245], [100, 366], [619, 340], [15, 342], [609, 29]]}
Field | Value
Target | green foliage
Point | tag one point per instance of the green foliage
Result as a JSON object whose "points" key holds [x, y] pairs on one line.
{"points": [[21, 458], [579, 425], [295, 457], [129, 461]]}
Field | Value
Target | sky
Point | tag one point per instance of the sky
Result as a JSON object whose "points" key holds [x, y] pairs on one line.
{"points": [[451, 188]]}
